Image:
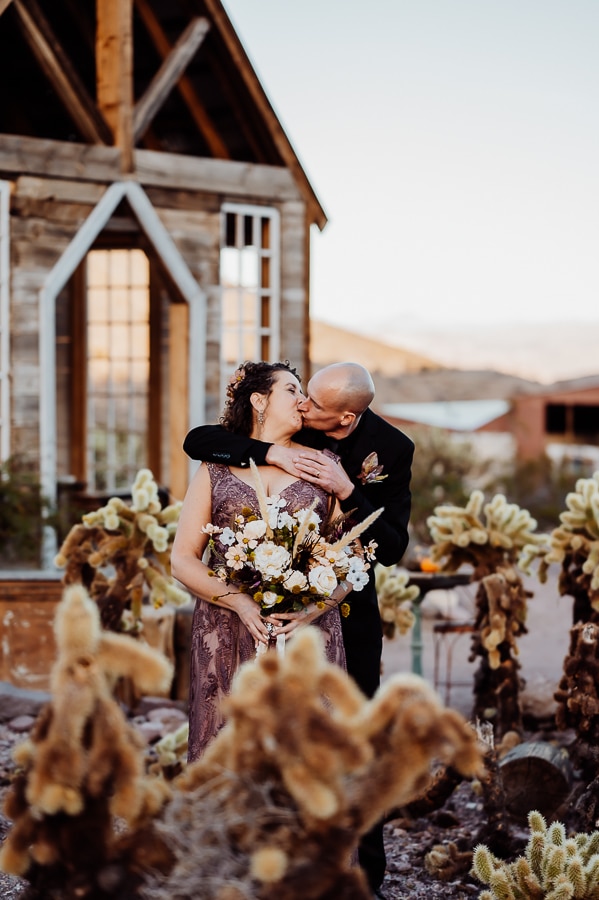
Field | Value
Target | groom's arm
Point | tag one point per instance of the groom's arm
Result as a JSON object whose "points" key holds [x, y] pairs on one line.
{"points": [[213, 443]]}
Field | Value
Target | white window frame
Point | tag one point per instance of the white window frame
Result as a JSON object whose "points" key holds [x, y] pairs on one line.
{"points": [[4, 321], [273, 331]]}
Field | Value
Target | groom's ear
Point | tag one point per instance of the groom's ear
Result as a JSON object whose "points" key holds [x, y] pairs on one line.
{"points": [[347, 418]]}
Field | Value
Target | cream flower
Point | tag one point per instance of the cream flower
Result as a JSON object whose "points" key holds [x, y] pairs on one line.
{"points": [[269, 598], [271, 560], [295, 581], [254, 530], [308, 516], [323, 579], [236, 557]]}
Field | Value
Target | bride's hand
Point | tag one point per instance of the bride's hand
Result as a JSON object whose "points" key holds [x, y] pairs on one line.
{"points": [[249, 613], [287, 623]]}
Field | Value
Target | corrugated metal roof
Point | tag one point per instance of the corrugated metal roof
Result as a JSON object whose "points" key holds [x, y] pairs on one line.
{"points": [[457, 415]]}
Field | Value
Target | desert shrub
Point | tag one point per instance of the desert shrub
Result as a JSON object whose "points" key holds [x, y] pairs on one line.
{"points": [[23, 509]]}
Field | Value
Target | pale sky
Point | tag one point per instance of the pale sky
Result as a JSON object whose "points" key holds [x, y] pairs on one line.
{"points": [[454, 145]]}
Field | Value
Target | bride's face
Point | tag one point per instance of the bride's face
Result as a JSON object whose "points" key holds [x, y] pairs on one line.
{"points": [[282, 410]]}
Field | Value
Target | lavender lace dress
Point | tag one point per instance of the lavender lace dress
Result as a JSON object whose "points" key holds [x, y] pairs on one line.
{"points": [[220, 642]]}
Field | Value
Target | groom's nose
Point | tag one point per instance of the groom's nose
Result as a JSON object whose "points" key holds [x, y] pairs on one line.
{"points": [[303, 404]]}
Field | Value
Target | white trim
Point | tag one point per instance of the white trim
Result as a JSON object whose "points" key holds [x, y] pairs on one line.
{"points": [[4, 320], [178, 271]]}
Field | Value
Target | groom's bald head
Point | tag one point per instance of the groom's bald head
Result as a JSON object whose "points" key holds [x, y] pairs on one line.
{"points": [[337, 397]]}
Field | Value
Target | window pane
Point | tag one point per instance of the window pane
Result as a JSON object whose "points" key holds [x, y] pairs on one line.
{"points": [[118, 341], [249, 272]]}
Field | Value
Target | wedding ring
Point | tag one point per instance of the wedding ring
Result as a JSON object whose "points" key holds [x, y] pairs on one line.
{"points": [[270, 627]]}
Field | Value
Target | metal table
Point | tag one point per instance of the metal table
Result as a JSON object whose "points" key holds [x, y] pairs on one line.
{"points": [[429, 581]]}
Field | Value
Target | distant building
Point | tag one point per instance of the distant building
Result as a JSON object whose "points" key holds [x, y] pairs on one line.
{"points": [[561, 420]]}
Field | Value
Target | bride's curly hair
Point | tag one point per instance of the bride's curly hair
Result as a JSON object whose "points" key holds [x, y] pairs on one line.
{"points": [[249, 378]]}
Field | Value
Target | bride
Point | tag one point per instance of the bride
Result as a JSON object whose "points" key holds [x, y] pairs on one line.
{"points": [[227, 624]]}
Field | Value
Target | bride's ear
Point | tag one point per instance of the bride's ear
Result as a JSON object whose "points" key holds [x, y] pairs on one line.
{"points": [[258, 402]]}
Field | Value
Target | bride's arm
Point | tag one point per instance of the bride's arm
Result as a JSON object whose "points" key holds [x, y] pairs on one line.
{"points": [[186, 559]]}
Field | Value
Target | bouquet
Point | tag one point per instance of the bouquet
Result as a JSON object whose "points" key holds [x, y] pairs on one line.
{"points": [[286, 560]]}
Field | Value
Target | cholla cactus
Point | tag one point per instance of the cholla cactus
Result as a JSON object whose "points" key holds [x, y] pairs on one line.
{"points": [[394, 596], [553, 866], [490, 537], [575, 546], [120, 552], [461, 536]]}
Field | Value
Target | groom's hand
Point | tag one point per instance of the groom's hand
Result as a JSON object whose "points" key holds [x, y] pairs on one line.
{"points": [[318, 468]]}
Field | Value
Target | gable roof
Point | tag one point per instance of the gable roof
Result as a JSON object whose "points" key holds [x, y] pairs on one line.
{"points": [[193, 89]]}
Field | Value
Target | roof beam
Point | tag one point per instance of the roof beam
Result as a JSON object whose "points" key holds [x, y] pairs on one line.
{"points": [[196, 108], [57, 67], [114, 72], [168, 75]]}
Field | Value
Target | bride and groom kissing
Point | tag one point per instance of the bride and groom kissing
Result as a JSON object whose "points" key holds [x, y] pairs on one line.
{"points": [[307, 448]]}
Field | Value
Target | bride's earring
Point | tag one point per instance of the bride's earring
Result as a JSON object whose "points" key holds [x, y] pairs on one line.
{"points": [[260, 418]]}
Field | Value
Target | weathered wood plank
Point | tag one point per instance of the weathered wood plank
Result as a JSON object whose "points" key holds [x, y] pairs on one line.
{"points": [[39, 156], [167, 76], [57, 189], [27, 611], [114, 73], [194, 104], [57, 67], [35, 156], [178, 396], [224, 176]]}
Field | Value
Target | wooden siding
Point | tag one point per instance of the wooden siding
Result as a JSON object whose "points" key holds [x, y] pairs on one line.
{"points": [[47, 214]]}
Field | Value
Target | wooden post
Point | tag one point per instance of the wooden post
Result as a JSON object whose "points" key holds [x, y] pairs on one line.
{"points": [[114, 72]]}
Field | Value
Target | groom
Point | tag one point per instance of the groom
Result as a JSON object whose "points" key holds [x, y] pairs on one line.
{"points": [[336, 415]]}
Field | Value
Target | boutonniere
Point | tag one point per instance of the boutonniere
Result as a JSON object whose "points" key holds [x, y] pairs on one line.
{"points": [[371, 471]]}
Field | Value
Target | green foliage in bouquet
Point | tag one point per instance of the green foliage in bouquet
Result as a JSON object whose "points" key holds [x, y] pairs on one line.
{"points": [[553, 867], [121, 552]]}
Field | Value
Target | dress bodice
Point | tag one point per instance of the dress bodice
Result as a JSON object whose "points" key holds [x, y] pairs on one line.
{"points": [[232, 496]]}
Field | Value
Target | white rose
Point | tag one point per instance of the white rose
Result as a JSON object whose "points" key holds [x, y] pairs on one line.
{"points": [[271, 560], [295, 579], [254, 530], [323, 579], [269, 598]]}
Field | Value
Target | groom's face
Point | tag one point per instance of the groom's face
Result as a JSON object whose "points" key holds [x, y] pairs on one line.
{"points": [[320, 409]]}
